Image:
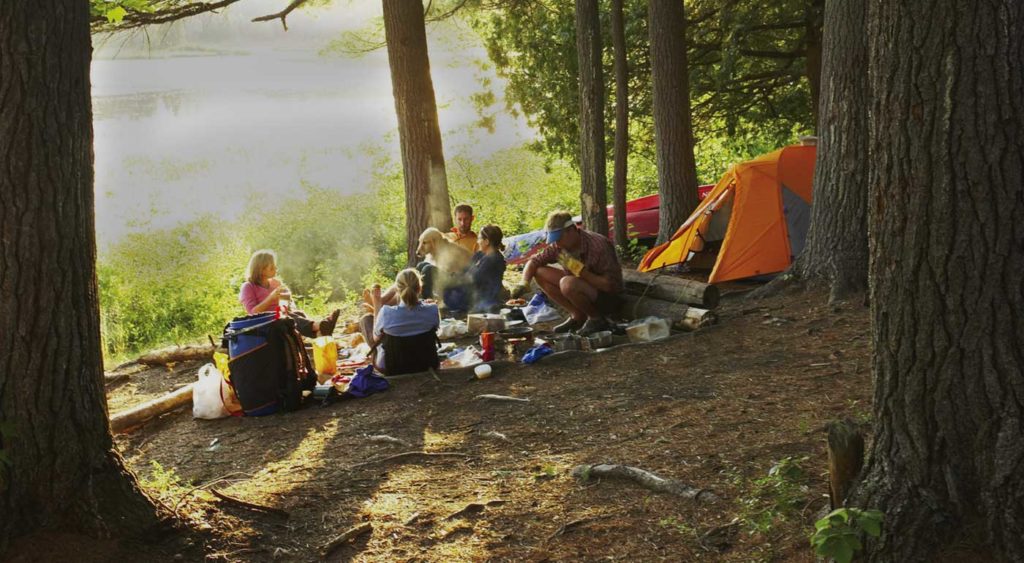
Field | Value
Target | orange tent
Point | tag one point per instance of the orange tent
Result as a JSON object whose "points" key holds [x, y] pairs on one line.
{"points": [[753, 222]]}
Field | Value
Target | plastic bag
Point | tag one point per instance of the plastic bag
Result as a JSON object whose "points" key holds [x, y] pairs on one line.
{"points": [[325, 357], [452, 328], [463, 358], [206, 401], [538, 310]]}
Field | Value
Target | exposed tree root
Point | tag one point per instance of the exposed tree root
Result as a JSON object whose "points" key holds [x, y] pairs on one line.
{"points": [[249, 505], [502, 398], [343, 538], [645, 479], [408, 454]]}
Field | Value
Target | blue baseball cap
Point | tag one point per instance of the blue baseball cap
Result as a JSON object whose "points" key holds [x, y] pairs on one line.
{"points": [[554, 235]]}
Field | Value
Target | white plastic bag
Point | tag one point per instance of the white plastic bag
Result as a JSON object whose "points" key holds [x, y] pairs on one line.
{"points": [[538, 310], [206, 401], [451, 328]]}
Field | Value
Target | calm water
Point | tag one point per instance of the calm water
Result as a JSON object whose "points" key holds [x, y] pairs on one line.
{"points": [[180, 136]]}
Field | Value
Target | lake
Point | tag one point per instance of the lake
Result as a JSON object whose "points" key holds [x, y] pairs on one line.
{"points": [[177, 136]]}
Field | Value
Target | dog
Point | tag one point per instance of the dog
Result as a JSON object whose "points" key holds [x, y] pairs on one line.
{"points": [[446, 255]]}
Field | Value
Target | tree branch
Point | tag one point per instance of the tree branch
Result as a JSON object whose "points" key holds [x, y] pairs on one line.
{"points": [[170, 13], [281, 15]]}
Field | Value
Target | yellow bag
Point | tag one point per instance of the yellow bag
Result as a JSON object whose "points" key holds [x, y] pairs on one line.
{"points": [[325, 355], [227, 392], [220, 359]]}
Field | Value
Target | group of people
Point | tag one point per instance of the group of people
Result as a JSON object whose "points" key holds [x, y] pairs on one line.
{"points": [[579, 270]]}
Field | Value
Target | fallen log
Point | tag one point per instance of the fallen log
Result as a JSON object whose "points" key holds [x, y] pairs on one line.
{"points": [[670, 288], [643, 478], [682, 316], [176, 354], [133, 417]]}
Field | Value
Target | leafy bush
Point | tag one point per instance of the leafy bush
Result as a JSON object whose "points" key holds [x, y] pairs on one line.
{"points": [[838, 534], [774, 498]]}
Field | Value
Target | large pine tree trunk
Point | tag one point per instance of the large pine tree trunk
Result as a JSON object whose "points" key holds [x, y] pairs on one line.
{"points": [[63, 473], [814, 14], [673, 131], [426, 180], [621, 124], [594, 188], [836, 252], [947, 278]]}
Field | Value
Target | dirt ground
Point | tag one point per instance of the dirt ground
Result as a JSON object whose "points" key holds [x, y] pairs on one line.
{"points": [[738, 409]]}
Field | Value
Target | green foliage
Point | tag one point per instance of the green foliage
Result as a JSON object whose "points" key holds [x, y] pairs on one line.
{"points": [[838, 534], [171, 285], [774, 498], [116, 10], [162, 483], [747, 74]]}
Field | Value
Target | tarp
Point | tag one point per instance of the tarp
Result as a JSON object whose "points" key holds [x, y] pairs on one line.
{"points": [[755, 219]]}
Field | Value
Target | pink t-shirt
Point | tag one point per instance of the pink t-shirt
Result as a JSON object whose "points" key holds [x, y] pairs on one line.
{"points": [[252, 295]]}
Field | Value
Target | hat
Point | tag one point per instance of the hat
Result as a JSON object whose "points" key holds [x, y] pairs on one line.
{"points": [[557, 222]]}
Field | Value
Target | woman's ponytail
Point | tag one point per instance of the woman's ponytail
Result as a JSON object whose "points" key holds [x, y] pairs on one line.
{"points": [[408, 284]]}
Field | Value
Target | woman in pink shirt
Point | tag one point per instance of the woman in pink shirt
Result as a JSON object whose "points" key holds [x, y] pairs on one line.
{"points": [[262, 291]]}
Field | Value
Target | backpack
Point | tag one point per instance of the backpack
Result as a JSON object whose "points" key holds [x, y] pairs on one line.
{"points": [[268, 363]]}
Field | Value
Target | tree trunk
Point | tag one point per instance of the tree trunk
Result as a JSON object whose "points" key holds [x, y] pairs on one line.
{"points": [[621, 126], [673, 131], [62, 471], [947, 279], [812, 38], [836, 252], [594, 188], [426, 181]]}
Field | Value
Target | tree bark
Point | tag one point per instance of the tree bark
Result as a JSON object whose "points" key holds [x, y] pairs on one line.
{"points": [[621, 126], [594, 185], [426, 180], [836, 253], [947, 278], [63, 473], [812, 39], [673, 131]]}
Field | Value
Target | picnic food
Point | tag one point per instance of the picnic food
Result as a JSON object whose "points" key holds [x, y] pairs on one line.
{"points": [[515, 303]]}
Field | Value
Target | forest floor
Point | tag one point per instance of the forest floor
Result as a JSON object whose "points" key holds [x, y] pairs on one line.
{"points": [[717, 409]]}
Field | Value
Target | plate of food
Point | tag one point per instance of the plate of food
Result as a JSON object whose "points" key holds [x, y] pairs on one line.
{"points": [[515, 303]]}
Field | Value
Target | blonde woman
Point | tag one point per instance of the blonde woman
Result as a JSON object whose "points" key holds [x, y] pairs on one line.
{"points": [[262, 291], [406, 333]]}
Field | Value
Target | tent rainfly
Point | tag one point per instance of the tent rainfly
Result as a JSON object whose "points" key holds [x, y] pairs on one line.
{"points": [[752, 223]]}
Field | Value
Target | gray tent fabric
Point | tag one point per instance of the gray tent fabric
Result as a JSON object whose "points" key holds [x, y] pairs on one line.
{"points": [[798, 218]]}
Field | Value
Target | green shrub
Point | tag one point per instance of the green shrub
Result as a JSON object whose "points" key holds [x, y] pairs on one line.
{"points": [[838, 534]]}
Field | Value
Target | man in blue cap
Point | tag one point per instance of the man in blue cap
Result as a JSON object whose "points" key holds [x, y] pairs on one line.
{"points": [[588, 275]]}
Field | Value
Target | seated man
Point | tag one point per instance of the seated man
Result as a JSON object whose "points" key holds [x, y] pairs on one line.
{"points": [[589, 276], [462, 233]]}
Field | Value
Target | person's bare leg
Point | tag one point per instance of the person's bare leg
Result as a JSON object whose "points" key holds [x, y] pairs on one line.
{"points": [[581, 294], [389, 297], [549, 280]]}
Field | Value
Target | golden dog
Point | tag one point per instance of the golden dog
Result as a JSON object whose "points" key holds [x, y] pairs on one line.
{"points": [[446, 255]]}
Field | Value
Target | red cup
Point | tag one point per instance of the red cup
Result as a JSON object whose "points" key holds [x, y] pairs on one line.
{"points": [[487, 345]]}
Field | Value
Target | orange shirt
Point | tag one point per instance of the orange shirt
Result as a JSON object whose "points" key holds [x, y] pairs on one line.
{"points": [[467, 241]]}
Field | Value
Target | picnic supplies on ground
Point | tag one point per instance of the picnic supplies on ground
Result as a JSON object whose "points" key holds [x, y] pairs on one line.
{"points": [[484, 322], [647, 329], [538, 310], [206, 395], [451, 328], [268, 362], [325, 357], [366, 383], [536, 353]]}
